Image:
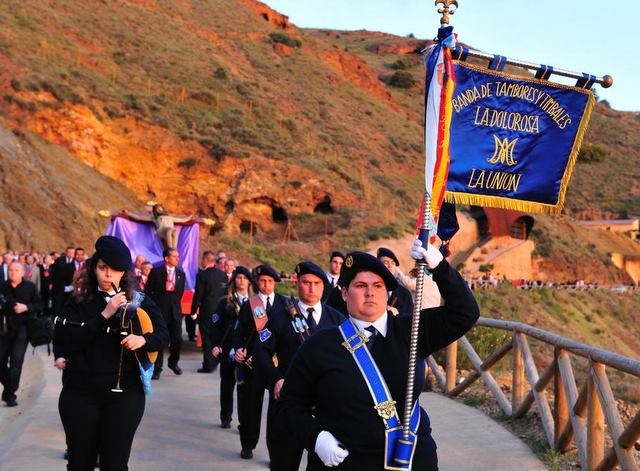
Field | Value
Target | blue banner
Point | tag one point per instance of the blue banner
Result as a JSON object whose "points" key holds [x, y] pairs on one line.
{"points": [[514, 140]]}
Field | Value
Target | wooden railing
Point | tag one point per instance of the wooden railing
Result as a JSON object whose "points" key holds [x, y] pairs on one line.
{"points": [[583, 414]]}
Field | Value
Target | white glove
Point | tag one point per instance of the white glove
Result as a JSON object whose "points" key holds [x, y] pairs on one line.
{"points": [[329, 449], [68, 289], [431, 255]]}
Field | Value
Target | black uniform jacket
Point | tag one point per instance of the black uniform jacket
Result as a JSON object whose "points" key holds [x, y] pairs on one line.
{"points": [[224, 324], [167, 301], [211, 285], [401, 299], [93, 350], [245, 335], [26, 293], [285, 341], [324, 389]]}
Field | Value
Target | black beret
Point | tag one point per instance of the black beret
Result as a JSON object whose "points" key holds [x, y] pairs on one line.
{"points": [[335, 253], [385, 252], [240, 270], [310, 268], [113, 252], [266, 270], [355, 262]]}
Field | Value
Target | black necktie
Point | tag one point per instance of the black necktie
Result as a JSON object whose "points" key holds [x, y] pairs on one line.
{"points": [[268, 303], [311, 322], [372, 337]]}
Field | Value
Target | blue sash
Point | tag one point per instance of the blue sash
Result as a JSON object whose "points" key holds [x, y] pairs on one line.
{"points": [[398, 451]]}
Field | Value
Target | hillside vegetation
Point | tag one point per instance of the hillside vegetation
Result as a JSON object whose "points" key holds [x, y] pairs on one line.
{"points": [[294, 141]]}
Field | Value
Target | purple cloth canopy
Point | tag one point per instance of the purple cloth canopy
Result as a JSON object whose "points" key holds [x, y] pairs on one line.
{"points": [[142, 239]]}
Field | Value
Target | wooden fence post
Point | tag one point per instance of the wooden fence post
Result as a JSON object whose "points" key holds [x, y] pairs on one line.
{"points": [[595, 425], [560, 406], [517, 383], [451, 366]]}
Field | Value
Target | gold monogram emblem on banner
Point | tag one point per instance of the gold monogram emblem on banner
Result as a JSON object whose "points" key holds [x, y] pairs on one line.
{"points": [[503, 151]]}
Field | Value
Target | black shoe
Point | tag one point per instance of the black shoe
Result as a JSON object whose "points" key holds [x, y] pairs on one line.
{"points": [[11, 402], [225, 424], [205, 370], [176, 369], [246, 454], [155, 376]]}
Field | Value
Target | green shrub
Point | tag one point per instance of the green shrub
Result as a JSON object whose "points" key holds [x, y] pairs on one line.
{"points": [[402, 79], [402, 64], [285, 39], [486, 268], [592, 153]]}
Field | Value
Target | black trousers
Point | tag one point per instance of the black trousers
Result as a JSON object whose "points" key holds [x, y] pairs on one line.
{"points": [[175, 344], [250, 398], [98, 421], [13, 346], [359, 462], [227, 385], [285, 450], [209, 362], [190, 327]]}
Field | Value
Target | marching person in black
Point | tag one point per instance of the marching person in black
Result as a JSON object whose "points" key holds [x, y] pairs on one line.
{"points": [[224, 321], [329, 400], [62, 272], [333, 295], [289, 330], [102, 399], [400, 298], [19, 300], [251, 330], [165, 286], [211, 284]]}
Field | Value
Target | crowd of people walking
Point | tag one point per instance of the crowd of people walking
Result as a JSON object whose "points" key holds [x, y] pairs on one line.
{"points": [[261, 341]]}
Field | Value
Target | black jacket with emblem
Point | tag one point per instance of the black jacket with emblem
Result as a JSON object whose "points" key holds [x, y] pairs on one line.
{"points": [[245, 336], [325, 390], [285, 341]]}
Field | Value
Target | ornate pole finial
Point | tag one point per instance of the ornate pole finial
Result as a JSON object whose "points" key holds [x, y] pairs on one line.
{"points": [[445, 11]]}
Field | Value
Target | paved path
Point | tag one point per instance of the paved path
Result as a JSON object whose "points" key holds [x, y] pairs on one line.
{"points": [[180, 428]]}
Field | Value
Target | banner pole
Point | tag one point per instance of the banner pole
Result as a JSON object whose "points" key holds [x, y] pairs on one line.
{"points": [[421, 266]]}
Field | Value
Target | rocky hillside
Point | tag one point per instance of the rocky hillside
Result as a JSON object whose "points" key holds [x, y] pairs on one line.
{"points": [[223, 109]]}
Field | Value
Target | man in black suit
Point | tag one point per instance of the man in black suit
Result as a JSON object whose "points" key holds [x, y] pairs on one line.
{"points": [[165, 286], [332, 294], [251, 330], [62, 279], [289, 330], [211, 284], [400, 298], [4, 267]]}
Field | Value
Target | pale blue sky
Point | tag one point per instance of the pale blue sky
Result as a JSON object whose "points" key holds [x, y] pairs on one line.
{"points": [[577, 35]]}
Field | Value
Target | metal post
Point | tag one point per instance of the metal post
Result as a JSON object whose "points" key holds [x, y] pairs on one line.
{"points": [[421, 266]]}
